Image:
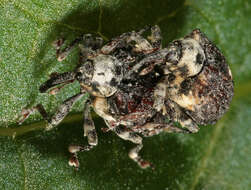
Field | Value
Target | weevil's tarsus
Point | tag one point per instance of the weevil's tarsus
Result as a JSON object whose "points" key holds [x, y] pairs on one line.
{"points": [[74, 149]]}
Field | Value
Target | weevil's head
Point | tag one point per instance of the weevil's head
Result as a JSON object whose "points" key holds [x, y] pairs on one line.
{"points": [[100, 75]]}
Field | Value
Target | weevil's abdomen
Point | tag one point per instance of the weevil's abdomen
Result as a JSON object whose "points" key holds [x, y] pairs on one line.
{"points": [[212, 88]]}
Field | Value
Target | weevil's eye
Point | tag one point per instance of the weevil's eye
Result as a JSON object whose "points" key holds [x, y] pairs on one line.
{"points": [[174, 52], [84, 72]]}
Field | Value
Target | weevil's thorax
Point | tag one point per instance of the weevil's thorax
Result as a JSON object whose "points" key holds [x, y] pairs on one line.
{"points": [[100, 75], [185, 57]]}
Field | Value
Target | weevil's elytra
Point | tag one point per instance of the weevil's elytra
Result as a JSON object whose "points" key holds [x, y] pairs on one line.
{"points": [[141, 89]]}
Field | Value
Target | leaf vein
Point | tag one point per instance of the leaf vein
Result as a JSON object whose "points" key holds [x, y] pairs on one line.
{"points": [[23, 168]]}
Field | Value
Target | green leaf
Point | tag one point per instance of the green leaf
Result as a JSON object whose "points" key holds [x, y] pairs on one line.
{"points": [[217, 157]]}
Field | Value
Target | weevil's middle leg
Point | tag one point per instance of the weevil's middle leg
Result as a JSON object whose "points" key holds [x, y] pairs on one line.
{"points": [[90, 132]]}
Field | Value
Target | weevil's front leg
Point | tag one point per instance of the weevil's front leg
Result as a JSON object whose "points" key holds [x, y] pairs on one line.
{"points": [[87, 39], [129, 135], [100, 106], [90, 132], [159, 96], [53, 121], [62, 54], [57, 79], [89, 127], [155, 37], [74, 149]]}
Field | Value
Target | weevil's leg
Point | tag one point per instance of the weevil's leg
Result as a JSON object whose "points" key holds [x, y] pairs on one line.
{"points": [[56, 79], [134, 155], [178, 114], [88, 41], [147, 64], [155, 38], [90, 47], [141, 44], [115, 43], [62, 54], [93, 42], [62, 111], [90, 132], [159, 96], [129, 135], [60, 114], [26, 112], [89, 127], [187, 123], [151, 128], [100, 106], [74, 149]]}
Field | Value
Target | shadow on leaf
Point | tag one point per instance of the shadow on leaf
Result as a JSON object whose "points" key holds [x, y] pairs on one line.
{"points": [[109, 163]]}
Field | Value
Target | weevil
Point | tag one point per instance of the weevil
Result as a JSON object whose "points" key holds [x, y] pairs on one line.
{"points": [[141, 89]]}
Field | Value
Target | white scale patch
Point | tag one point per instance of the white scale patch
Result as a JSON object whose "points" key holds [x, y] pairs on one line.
{"points": [[189, 56], [104, 72]]}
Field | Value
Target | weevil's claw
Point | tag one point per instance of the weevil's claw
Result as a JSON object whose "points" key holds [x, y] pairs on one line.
{"points": [[25, 113], [58, 43], [73, 161]]}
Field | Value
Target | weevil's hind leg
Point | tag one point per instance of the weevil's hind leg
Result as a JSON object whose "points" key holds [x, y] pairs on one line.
{"points": [[57, 79], [129, 135], [155, 37], [60, 114], [187, 123], [179, 115], [151, 129]]}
